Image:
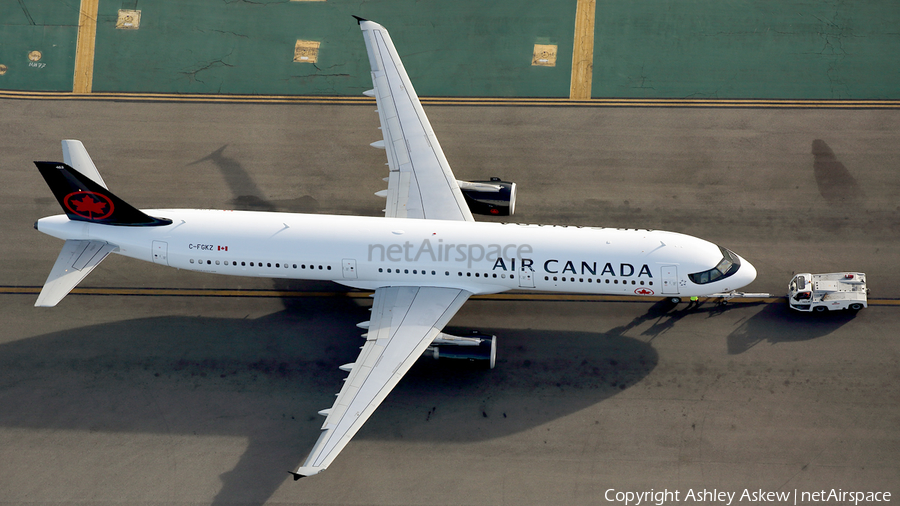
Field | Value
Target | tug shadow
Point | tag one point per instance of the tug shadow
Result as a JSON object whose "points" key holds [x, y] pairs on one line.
{"points": [[777, 323], [264, 380]]}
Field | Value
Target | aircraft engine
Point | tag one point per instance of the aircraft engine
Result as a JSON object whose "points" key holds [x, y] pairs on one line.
{"points": [[494, 197], [476, 347]]}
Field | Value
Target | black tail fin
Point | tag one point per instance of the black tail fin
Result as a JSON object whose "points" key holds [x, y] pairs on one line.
{"points": [[84, 200]]}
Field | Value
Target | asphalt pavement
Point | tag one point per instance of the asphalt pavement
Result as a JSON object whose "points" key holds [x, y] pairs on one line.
{"points": [[197, 400]]}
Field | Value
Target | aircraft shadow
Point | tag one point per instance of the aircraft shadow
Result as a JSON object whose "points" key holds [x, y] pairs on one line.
{"points": [[777, 323], [664, 315], [247, 194], [836, 184], [265, 379]]}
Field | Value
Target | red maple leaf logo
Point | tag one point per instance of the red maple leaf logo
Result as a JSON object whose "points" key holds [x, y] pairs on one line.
{"points": [[89, 205]]}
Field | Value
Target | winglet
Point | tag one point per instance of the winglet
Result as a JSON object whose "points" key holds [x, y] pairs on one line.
{"points": [[359, 20], [305, 471]]}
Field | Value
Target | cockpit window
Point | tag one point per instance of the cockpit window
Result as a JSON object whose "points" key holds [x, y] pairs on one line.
{"points": [[726, 267]]}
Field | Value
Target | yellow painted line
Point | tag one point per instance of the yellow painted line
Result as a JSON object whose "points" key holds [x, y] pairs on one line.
{"points": [[472, 101], [514, 296], [583, 51], [83, 81], [563, 297], [186, 292], [884, 302]]}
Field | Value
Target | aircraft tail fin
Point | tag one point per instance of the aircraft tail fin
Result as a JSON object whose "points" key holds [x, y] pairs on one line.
{"points": [[85, 199], [76, 156], [76, 260]]}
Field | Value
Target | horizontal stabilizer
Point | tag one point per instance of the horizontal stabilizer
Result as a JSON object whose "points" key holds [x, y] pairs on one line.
{"points": [[76, 260]]}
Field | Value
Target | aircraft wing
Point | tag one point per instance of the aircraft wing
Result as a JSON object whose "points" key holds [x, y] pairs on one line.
{"points": [[420, 183], [404, 321]]}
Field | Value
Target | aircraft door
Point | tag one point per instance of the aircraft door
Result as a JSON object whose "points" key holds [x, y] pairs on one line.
{"points": [[526, 277], [160, 252], [670, 279], [349, 268]]}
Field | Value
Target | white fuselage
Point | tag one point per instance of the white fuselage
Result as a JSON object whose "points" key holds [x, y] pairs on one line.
{"points": [[370, 252]]}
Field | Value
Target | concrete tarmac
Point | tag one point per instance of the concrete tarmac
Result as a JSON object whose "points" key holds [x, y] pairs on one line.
{"points": [[198, 400]]}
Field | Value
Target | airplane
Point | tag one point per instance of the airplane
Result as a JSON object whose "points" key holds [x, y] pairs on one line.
{"points": [[422, 260]]}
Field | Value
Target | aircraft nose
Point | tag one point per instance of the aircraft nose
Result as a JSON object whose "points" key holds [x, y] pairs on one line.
{"points": [[747, 271]]}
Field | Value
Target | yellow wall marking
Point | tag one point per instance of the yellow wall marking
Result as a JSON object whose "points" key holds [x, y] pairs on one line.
{"points": [[129, 19], [544, 55], [84, 48], [583, 51], [306, 51]]}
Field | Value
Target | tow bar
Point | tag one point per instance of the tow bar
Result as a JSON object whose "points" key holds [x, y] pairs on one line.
{"points": [[734, 294]]}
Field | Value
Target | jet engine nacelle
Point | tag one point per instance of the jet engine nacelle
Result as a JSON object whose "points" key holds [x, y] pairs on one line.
{"points": [[476, 347], [494, 197]]}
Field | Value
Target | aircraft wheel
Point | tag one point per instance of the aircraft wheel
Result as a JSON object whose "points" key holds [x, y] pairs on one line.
{"points": [[675, 300]]}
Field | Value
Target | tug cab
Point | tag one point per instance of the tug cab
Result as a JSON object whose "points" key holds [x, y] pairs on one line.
{"points": [[828, 292]]}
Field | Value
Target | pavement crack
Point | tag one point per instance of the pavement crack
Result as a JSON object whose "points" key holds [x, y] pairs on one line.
{"points": [[217, 63], [27, 14]]}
